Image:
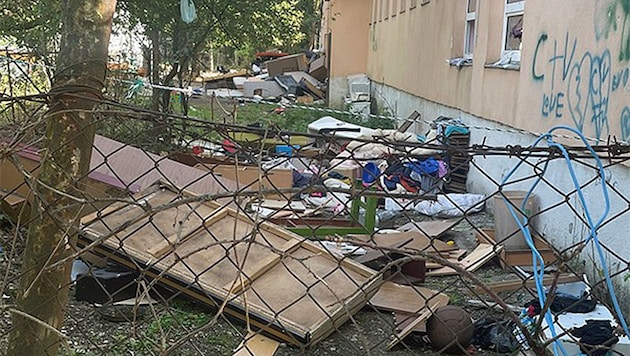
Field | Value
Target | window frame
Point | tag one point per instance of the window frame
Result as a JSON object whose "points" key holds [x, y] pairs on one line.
{"points": [[511, 10], [470, 17]]}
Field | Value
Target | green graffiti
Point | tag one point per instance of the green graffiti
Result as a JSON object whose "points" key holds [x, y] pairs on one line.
{"points": [[606, 22]]}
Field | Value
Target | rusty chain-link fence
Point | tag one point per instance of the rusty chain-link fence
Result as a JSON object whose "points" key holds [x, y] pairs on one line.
{"points": [[201, 235]]}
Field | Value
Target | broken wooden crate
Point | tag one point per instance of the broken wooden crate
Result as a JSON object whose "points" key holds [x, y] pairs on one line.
{"points": [[519, 257], [278, 281]]}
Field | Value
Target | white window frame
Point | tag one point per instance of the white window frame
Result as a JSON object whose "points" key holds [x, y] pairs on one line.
{"points": [[512, 9], [470, 17]]}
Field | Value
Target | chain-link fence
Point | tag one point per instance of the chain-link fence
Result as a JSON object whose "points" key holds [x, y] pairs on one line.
{"points": [[213, 235]]}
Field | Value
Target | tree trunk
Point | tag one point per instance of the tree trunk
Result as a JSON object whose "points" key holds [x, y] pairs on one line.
{"points": [[65, 158]]}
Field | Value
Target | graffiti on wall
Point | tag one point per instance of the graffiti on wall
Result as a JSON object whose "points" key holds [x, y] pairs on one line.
{"points": [[580, 83], [625, 124], [586, 81], [614, 16]]}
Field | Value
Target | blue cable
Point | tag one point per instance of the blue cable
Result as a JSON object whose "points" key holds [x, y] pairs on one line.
{"points": [[536, 257]]}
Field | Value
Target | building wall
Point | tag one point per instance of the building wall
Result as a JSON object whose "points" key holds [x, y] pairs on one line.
{"points": [[574, 70], [347, 23], [559, 224], [574, 65]]}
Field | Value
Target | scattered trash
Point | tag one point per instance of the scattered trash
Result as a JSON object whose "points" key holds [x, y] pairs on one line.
{"points": [[494, 334]]}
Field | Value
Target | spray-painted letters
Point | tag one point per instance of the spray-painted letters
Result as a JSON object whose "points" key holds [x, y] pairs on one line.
{"points": [[579, 83]]}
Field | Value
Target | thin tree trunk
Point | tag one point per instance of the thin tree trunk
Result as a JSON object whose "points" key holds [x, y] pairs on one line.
{"points": [[81, 69]]}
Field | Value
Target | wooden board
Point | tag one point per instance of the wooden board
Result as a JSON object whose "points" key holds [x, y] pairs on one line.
{"points": [[256, 345], [420, 242], [296, 290], [473, 261], [431, 306], [431, 228], [403, 320], [252, 178], [514, 284], [405, 299]]}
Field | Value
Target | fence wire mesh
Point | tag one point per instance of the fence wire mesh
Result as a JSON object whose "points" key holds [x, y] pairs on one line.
{"points": [[212, 235]]}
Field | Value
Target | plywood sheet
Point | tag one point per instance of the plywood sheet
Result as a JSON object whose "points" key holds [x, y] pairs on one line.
{"points": [[405, 299], [431, 228], [296, 289]]}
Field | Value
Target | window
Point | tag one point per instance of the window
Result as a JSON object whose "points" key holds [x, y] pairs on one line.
{"points": [[394, 8], [469, 39], [403, 6], [512, 31], [386, 10], [413, 4]]}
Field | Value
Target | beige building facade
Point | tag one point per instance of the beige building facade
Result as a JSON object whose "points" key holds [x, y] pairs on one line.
{"points": [[510, 70], [528, 64]]}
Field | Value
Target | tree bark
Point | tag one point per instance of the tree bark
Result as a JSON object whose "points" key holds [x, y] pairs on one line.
{"points": [[65, 158]]}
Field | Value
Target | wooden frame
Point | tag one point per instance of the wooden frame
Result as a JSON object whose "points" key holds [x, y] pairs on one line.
{"points": [[287, 285]]}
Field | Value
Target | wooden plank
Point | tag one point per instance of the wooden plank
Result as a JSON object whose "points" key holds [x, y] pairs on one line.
{"points": [[457, 254], [514, 284], [12, 199], [405, 299], [312, 89], [257, 345], [431, 228], [477, 258], [420, 242], [253, 177], [410, 120], [403, 320], [431, 306], [524, 257]]}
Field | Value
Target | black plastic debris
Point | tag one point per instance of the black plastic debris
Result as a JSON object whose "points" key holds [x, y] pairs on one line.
{"points": [[495, 335], [596, 337], [106, 285]]}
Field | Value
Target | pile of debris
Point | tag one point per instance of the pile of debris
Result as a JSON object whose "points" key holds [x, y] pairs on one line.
{"points": [[296, 246], [274, 75], [293, 76]]}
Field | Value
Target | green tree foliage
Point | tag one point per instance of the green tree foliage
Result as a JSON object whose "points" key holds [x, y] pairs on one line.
{"points": [[227, 24]]}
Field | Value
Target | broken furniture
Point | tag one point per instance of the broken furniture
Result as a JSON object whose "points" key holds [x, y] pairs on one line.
{"points": [[292, 63], [521, 256], [286, 285]]}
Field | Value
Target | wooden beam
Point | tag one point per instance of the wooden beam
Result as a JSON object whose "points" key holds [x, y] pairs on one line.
{"points": [[514, 284]]}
